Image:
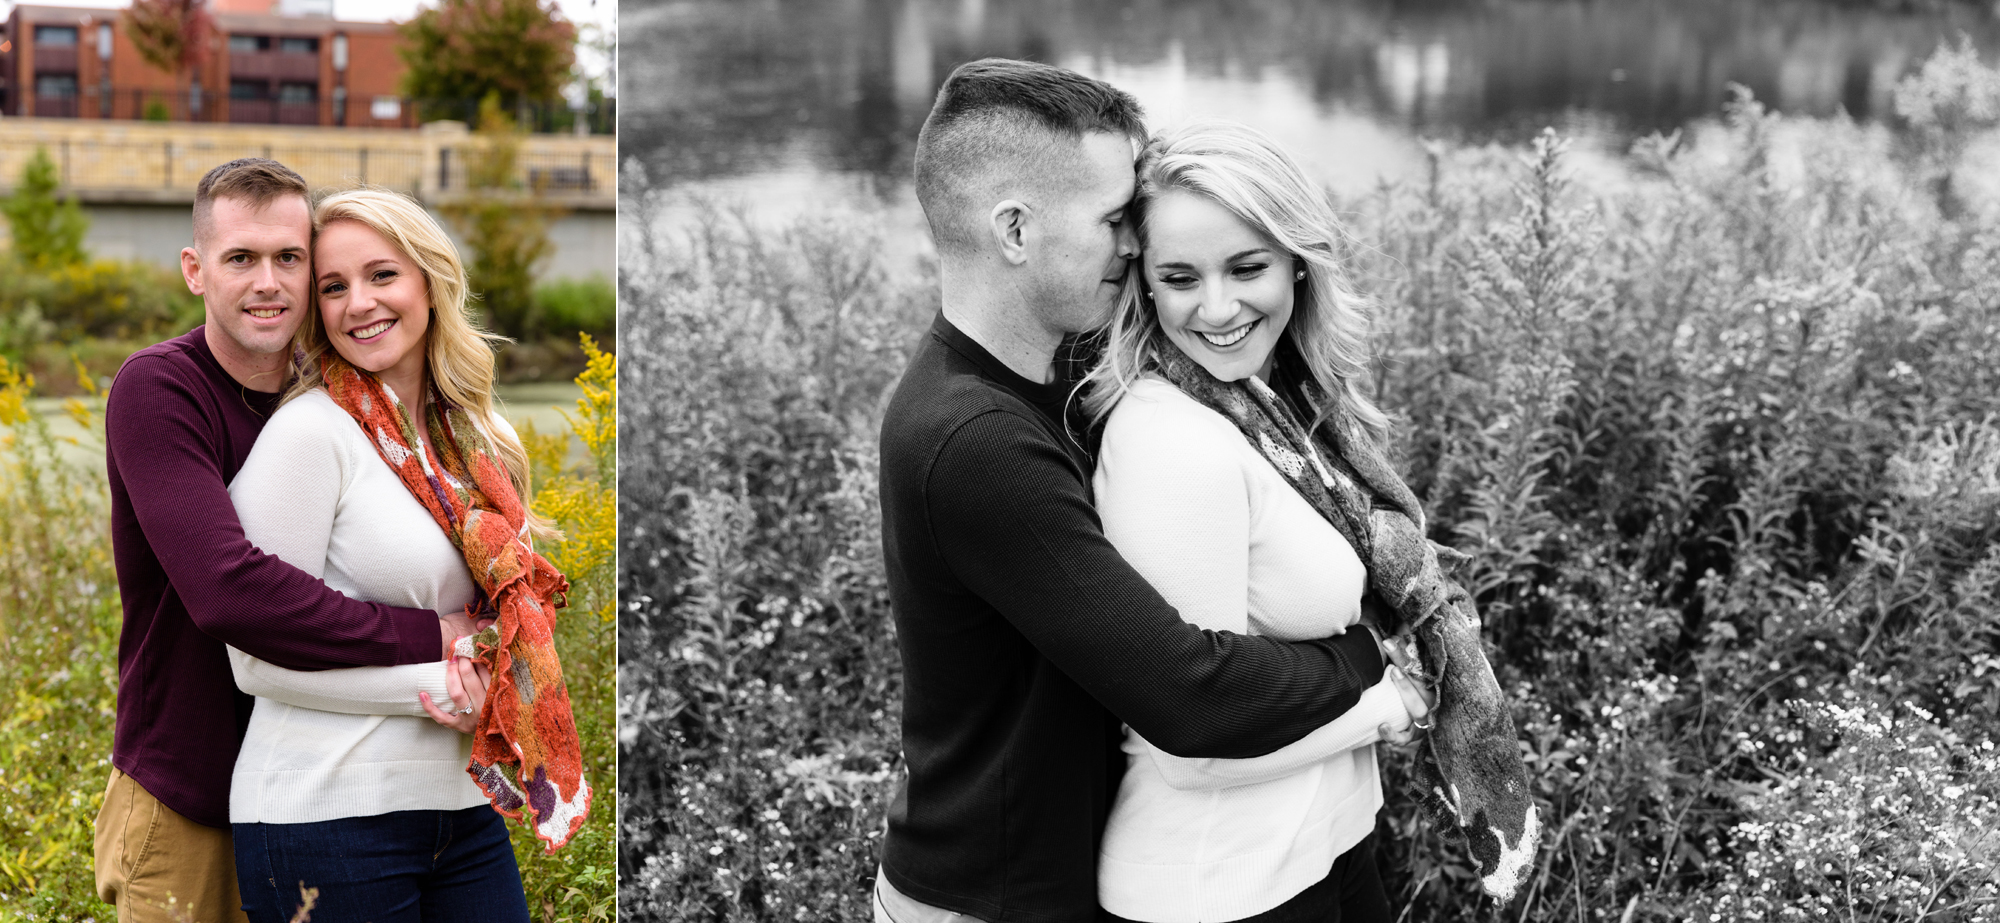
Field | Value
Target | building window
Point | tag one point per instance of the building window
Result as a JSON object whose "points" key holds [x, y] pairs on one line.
{"points": [[298, 93], [247, 89], [56, 85], [298, 45], [104, 41], [55, 35], [249, 43]]}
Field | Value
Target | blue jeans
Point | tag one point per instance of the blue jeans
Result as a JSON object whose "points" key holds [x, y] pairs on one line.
{"points": [[401, 867]]}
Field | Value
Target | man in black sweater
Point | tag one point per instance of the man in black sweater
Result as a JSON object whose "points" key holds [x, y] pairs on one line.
{"points": [[1025, 638]]}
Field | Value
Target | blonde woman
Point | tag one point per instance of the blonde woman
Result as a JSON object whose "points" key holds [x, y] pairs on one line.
{"points": [[377, 474], [1241, 467]]}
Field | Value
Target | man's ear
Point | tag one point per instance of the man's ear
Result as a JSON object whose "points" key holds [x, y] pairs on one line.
{"points": [[1009, 223], [191, 270]]}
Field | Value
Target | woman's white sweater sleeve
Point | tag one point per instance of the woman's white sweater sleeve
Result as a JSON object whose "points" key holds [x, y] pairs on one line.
{"points": [[287, 495], [1175, 501]]}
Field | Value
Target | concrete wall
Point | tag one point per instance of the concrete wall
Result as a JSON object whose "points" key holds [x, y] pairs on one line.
{"points": [[583, 241], [116, 161]]}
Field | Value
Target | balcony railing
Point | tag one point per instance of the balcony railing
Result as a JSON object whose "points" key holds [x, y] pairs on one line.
{"points": [[63, 106], [283, 65], [322, 108]]}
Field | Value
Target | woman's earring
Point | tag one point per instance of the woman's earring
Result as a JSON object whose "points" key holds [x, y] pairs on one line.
{"points": [[1300, 275]]}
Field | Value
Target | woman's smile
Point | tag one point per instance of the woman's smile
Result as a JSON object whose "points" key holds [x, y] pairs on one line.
{"points": [[1230, 337], [366, 333]]}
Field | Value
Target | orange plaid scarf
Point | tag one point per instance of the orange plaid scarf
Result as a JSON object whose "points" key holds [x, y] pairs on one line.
{"points": [[526, 754]]}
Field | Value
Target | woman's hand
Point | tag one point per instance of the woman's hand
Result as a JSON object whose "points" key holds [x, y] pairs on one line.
{"points": [[1417, 700], [465, 681]]}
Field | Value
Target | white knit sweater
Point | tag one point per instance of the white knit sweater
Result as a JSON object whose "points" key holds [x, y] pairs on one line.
{"points": [[354, 742], [1218, 531]]}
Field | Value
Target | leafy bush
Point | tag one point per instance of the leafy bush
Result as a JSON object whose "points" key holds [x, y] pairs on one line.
{"points": [[44, 230], [505, 230], [102, 299], [1721, 437], [573, 306]]}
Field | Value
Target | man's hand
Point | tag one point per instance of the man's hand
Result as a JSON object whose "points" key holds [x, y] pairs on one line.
{"points": [[455, 626]]}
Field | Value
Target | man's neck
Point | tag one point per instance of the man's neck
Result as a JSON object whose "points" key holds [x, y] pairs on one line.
{"points": [[1005, 328], [255, 372]]}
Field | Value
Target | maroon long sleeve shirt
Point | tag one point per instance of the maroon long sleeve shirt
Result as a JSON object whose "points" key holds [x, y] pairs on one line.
{"points": [[177, 428]]}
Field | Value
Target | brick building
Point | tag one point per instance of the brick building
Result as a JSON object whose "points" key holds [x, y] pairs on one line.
{"points": [[284, 62]]}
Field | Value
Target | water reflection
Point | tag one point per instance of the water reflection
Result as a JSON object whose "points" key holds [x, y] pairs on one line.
{"points": [[789, 102]]}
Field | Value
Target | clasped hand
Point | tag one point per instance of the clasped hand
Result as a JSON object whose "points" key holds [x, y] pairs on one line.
{"points": [[1417, 700], [465, 681], [464, 678]]}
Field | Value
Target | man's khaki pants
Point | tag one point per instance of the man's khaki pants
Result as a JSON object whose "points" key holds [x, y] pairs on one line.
{"points": [[160, 867]]}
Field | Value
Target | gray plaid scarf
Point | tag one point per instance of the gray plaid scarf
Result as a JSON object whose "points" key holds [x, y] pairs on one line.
{"points": [[1472, 775]]}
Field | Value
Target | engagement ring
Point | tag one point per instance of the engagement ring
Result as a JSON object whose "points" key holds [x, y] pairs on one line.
{"points": [[466, 710]]}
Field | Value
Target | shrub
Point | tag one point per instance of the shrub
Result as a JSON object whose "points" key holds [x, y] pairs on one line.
{"points": [[505, 230], [101, 299], [573, 306], [45, 231]]}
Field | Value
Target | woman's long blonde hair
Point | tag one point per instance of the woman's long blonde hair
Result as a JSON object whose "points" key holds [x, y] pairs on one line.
{"points": [[458, 355], [1241, 170]]}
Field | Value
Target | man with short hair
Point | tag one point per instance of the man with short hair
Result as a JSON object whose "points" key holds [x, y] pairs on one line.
{"points": [[181, 417], [1025, 637]]}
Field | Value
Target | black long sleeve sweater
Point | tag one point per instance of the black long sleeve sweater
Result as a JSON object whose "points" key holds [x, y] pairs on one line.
{"points": [[1026, 639]]}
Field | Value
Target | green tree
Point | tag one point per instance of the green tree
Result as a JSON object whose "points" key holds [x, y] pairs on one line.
{"points": [[467, 49], [503, 225], [47, 231]]}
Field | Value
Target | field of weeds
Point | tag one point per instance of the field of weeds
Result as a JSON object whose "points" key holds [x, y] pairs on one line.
{"points": [[1722, 435]]}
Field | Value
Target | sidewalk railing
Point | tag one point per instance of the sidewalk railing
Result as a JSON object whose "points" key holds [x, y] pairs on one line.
{"points": [[576, 172]]}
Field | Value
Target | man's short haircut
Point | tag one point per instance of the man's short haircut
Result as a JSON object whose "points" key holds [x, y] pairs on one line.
{"points": [[255, 181], [1001, 125]]}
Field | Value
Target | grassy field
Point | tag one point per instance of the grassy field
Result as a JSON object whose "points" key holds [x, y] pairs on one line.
{"points": [[59, 620], [1720, 429]]}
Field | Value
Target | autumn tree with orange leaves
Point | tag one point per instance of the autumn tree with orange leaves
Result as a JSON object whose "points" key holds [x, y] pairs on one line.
{"points": [[172, 35]]}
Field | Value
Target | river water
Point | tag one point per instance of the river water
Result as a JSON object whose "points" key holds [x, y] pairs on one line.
{"points": [[784, 106]]}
